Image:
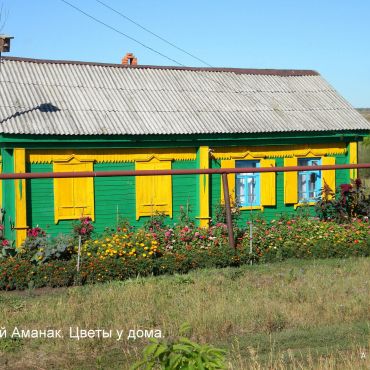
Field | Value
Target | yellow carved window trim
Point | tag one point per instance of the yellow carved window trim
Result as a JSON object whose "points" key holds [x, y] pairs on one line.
{"points": [[291, 179], [268, 183], [73, 197], [153, 193]]}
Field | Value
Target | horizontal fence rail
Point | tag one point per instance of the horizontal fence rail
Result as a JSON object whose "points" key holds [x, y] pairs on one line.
{"points": [[208, 171]]}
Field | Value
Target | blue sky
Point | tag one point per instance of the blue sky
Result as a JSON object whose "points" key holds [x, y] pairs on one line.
{"points": [[330, 36]]}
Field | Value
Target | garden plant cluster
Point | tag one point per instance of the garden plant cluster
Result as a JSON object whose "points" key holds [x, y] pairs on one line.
{"points": [[341, 228]]}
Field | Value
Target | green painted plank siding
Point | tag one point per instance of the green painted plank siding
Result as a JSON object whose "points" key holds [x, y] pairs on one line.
{"points": [[40, 202], [114, 197]]}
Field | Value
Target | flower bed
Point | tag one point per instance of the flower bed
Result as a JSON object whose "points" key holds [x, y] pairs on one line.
{"points": [[310, 238], [159, 249]]}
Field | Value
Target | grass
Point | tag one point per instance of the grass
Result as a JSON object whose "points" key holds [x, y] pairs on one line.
{"points": [[295, 314]]}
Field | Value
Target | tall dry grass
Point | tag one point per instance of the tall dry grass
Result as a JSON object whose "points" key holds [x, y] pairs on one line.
{"points": [[296, 313]]}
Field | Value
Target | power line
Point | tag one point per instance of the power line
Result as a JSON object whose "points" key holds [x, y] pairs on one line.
{"points": [[152, 33], [121, 33], [140, 43]]}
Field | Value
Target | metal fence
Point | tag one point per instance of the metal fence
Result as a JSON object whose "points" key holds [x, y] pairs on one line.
{"points": [[221, 171]]}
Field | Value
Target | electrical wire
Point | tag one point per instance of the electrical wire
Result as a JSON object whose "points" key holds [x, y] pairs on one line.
{"points": [[140, 43], [121, 33], [152, 33]]}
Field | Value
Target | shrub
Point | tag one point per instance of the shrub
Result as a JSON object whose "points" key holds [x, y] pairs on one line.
{"points": [[83, 228], [301, 238], [350, 201], [35, 243]]}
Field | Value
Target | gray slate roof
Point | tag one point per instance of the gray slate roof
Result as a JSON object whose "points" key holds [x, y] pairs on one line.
{"points": [[75, 98]]}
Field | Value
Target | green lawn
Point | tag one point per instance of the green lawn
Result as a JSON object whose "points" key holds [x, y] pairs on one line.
{"points": [[300, 314]]}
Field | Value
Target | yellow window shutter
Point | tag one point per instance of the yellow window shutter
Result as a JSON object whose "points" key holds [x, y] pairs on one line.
{"points": [[73, 197], [153, 193], [328, 175], [290, 182], [163, 189], [228, 163], [83, 192], [268, 183]]}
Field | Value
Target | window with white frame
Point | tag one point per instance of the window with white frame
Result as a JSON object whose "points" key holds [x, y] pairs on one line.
{"points": [[309, 182], [247, 185]]}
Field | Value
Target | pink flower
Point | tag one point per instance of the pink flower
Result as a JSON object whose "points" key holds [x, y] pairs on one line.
{"points": [[5, 243], [83, 231]]}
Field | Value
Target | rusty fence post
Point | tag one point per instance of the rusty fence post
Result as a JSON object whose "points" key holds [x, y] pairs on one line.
{"points": [[228, 210]]}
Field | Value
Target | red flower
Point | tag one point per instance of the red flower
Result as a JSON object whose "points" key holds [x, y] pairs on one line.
{"points": [[356, 241]]}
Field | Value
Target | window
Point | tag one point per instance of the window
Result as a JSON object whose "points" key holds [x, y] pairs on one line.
{"points": [[248, 185], [309, 182], [153, 193], [73, 197]]}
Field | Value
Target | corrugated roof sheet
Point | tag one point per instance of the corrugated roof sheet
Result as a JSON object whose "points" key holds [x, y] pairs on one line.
{"points": [[75, 98]]}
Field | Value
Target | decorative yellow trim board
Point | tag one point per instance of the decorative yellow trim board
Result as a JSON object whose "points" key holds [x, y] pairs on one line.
{"points": [[204, 187], [111, 155], [353, 159], [20, 197], [257, 152]]}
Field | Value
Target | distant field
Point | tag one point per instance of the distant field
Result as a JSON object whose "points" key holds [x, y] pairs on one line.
{"points": [[296, 314]]}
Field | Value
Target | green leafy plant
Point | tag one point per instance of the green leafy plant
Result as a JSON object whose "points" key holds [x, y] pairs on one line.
{"points": [[184, 216], [220, 212], [36, 241], [349, 202], [181, 353], [156, 221]]}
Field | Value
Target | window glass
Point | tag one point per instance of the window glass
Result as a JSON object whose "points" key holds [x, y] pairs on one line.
{"points": [[309, 182], [248, 184]]}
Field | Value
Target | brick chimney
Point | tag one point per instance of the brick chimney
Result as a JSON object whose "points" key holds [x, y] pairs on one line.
{"points": [[129, 59]]}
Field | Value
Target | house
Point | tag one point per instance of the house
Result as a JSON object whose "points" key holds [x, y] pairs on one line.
{"points": [[77, 116]]}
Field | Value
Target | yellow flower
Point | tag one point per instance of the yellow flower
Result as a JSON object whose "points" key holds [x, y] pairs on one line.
{"points": [[142, 244], [144, 254]]}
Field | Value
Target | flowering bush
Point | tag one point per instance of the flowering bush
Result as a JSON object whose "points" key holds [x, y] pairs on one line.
{"points": [[36, 241], [39, 248], [305, 238], [350, 201], [83, 228], [123, 244]]}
